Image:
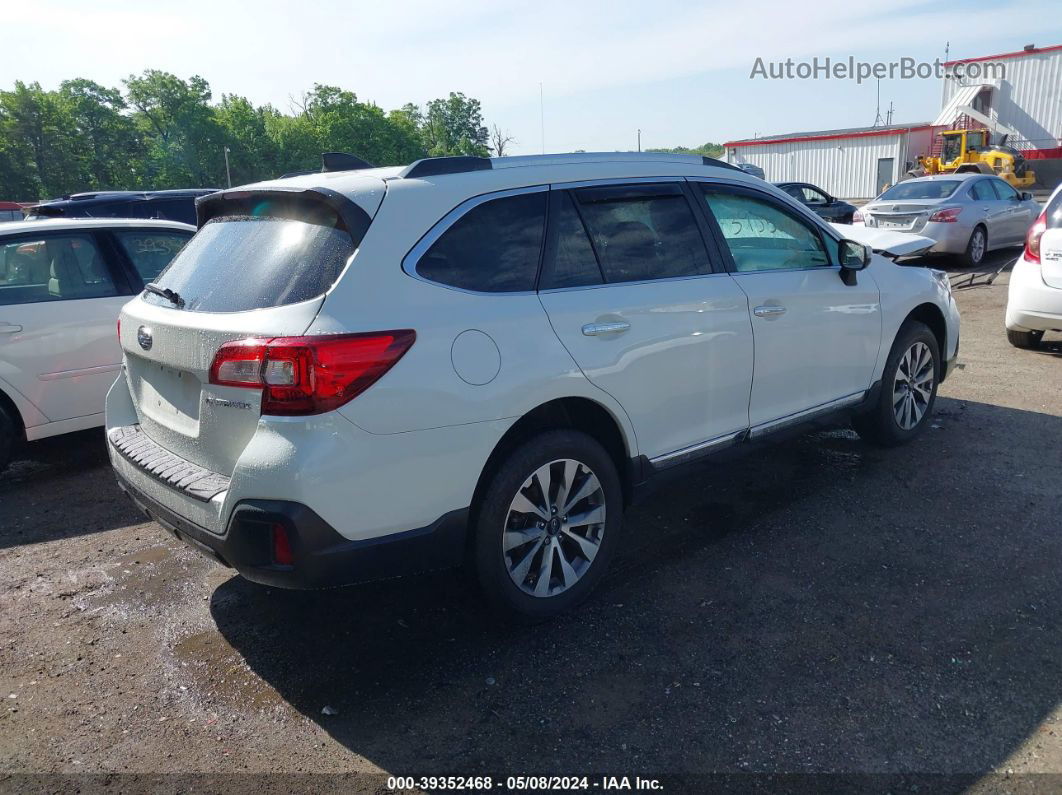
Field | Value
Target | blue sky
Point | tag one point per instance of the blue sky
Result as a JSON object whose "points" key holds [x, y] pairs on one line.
{"points": [[680, 71]]}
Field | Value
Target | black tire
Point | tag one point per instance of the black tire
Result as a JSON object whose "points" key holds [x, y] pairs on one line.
{"points": [[970, 257], [879, 424], [492, 520], [1030, 340], [9, 438]]}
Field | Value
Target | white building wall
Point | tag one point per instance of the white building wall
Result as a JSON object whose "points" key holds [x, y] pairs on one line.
{"points": [[844, 167], [1029, 98]]}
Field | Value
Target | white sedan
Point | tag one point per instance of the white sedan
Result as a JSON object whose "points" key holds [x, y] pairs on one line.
{"points": [[1034, 299], [62, 283]]}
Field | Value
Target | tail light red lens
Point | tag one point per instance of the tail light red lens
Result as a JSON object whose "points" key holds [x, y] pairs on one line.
{"points": [[309, 375], [1032, 239], [282, 546], [948, 215], [857, 217]]}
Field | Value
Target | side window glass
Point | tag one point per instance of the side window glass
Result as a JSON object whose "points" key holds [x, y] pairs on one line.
{"points": [[763, 237], [1002, 189], [812, 196], [644, 232], [150, 251], [571, 258], [54, 268], [494, 247], [982, 191]]}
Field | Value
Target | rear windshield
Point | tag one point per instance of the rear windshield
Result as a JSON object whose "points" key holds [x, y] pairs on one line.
{"points": [[239, 263], [934, 189]]}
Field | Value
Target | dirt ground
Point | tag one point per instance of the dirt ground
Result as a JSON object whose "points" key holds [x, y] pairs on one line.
{"points": [[818, 607]]}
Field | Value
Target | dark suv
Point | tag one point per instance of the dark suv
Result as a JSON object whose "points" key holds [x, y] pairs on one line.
{"points": [[168, 205]]}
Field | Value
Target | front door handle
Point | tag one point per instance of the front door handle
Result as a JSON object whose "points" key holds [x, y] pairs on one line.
{"points": [[769, 311], [597, 329], [9, 328]]}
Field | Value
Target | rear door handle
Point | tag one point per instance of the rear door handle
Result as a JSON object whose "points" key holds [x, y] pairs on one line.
{"points": [[769, 311], [9, 328], [597, 329]]}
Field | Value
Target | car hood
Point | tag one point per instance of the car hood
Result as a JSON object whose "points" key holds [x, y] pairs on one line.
{"points": [[886, 241]]}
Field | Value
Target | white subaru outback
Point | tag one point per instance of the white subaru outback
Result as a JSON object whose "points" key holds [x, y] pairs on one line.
{"points": [[357, 374]]}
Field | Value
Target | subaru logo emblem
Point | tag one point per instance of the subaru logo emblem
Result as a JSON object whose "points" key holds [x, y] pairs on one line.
{"points": [[143, 336]]}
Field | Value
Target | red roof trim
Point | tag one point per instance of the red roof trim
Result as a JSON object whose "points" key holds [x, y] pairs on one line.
{"points": [[837, 136], [1019, 54]]}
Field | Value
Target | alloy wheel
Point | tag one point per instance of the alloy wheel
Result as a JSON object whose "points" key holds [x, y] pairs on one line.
{"points": [[977, 246], [553, 528], [913, 386]]}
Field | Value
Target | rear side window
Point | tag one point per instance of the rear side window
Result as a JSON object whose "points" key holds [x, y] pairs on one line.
{"points": [[150, 250], [237, 263], [53, 268], [643, 232], [494, 248]]}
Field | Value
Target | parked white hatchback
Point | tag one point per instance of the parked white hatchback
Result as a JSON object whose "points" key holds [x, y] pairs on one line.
{"points": [[62, 284], [1034, 297], [353, 375]]}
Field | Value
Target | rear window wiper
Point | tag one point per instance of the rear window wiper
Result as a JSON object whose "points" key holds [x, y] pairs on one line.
{"points": [[165, 292]]}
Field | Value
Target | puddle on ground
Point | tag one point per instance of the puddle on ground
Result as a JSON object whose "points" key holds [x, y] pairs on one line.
{"points": [[145, 556]]}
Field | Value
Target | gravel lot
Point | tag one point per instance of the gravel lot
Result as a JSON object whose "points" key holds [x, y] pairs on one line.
{"points": [[821, 606]]}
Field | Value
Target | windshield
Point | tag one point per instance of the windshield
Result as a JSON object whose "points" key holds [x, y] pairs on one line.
{"points": [[239, 263], [931, 189]]}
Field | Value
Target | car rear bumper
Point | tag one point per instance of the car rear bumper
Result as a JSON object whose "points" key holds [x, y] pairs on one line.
{"points": [[1032, 305], [320, 556]]}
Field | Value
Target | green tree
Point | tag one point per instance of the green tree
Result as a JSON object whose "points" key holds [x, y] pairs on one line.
{"points": [[185, 142], [708, 149], [454, 126], [253, 153], [109, 149], [343, 124], [41, 131]]}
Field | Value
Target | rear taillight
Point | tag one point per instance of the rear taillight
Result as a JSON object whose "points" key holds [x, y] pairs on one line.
{"points": [[949, 215], [309, 375], [857, 217], [1032, 239], [281, 546]]}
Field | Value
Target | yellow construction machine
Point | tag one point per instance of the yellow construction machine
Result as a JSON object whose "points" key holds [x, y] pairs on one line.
{"points": [[963, 151]]}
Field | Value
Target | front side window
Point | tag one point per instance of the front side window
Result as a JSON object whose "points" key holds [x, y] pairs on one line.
{"points": [[1002, 189], [495, 247], [982, 191], [569, 254], [149, 250], [761, 236], [813, 196], [643, 232], [53, 268]]}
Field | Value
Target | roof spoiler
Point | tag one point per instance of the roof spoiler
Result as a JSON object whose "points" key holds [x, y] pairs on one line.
{"points": [[342, 161]]}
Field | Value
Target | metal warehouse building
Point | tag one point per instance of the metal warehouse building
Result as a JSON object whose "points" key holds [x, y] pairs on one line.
{"points": [[1016, 94], [854, 164]]}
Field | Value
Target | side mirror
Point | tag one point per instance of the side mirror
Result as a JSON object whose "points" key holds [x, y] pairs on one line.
{"points": [[854, 257], [1026, 196]]}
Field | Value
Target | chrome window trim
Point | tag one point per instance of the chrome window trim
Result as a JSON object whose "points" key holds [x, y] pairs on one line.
{"points": [[549, 290], [412, 257]]}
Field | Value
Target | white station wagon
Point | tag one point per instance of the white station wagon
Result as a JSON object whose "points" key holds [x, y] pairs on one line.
{"points": [[62, 284], [358, 374]]}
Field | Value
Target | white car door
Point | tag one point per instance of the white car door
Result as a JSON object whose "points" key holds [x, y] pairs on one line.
{"points": [[816, 337], [630, 292], [59, 303]]}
